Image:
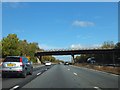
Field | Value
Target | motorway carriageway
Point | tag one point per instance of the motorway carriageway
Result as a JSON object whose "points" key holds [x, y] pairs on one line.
{"points": [[64, 76]]}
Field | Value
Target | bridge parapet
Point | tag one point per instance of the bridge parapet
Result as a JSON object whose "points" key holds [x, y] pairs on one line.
{"points": [[73, 49]]}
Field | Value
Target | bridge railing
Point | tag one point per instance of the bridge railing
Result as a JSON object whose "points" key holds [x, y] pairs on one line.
{"points": [[72, 49]]}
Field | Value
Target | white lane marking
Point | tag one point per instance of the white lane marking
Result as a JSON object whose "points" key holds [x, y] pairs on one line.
{"points": [[68, 69], [97, 88], [115, 75], [39, 73], [15, 87], [75, 73]]}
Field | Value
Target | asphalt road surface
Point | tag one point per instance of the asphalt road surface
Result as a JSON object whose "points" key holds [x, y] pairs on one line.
{"points": [[11, 81], [64, 76]]}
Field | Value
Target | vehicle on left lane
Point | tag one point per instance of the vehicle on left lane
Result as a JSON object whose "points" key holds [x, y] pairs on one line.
{"points": [[16, 65]]}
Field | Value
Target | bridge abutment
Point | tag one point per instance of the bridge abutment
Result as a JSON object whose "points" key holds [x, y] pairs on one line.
{"points": [[38, 60], [73, 58]]}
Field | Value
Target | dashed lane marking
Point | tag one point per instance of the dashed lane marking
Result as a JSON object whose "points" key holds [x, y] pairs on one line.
{"points": [[38, 73], [68, 69], [75, 73], [97, 88], [15, 87]]}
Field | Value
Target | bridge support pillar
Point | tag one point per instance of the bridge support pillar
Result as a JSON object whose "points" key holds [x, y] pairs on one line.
{"points": [[73, 58], [38, 60]]}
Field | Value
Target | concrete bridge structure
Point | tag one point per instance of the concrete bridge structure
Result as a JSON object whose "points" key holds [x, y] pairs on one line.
{"points": [[73, 52]]}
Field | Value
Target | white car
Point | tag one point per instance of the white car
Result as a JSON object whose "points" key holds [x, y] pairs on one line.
{"points": [[47, 63]]}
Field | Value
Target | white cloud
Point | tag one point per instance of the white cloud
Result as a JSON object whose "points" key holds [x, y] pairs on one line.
{"points": [[97, 45], [83, 23], [79, 46], [75, 46], [48, 47], [43, 46]]}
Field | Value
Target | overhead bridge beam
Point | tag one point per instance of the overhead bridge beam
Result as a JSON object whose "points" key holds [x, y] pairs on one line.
{"points": [[74, 52]]}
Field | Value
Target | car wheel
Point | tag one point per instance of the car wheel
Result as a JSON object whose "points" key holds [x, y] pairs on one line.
{"points": [[24, 74], [31, 72]]}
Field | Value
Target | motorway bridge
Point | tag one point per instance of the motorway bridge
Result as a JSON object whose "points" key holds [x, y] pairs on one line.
{"points": [[72, 52], [65, 76]]}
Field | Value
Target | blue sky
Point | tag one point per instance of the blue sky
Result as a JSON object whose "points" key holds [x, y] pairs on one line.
{"points": [[62, 25]]}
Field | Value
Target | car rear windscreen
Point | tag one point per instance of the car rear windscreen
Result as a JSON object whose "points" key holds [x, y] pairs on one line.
{"points": [[12, 59]]}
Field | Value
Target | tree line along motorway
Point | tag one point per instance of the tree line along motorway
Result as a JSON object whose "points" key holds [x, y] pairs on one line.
{"points": [[64, 76]]}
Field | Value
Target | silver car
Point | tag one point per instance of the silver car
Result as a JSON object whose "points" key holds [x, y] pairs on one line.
{"points": [[47, 63], [16, 65]]}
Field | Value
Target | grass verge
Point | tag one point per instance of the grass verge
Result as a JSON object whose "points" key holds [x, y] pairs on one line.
{"points": [[109, 69]]}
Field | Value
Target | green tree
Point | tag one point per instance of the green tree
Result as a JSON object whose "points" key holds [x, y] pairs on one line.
{"points": [[108, 44], [117, 46], [10, 45], [23, 47], [52, 59], [107, 58], [82, 58], [77, 58], [31, 49]]}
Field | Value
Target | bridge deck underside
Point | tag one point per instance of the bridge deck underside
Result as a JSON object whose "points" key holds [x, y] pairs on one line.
{"points": [[74, 52]]}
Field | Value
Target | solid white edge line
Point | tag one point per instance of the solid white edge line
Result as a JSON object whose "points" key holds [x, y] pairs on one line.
{"points": [[75, 73], [15, 87], [38, 73], [97, 88]]}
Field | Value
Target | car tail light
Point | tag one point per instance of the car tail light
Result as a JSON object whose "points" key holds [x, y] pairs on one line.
{"points": [[20, 59], [21, 64]]}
